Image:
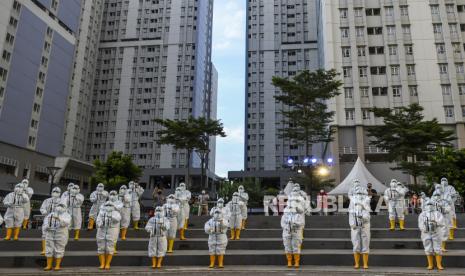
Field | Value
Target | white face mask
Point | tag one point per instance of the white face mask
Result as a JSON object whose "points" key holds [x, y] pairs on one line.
{"points": [[217, 216], [59, 209], [113, 198], [18, 190], [55, 194]]}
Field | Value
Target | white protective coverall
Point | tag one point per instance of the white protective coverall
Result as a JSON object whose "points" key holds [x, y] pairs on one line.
{"points": [[73, 201], [443, 206], [55, 230], [359, 221], [234, 208], [451, 195], [15, 202], [244, 197], [27, 206], [48, 206], [180, 198], [171, 209], [185, 203], [107, 229], [292, 224], [432, 226], [98, 198], [125, 198], [135, 192], [157, 226], [216, 228], [395, 198]]}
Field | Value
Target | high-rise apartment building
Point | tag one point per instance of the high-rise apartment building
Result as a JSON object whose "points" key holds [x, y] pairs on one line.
{"points": [[154, 61], [392, 53], [282, 40]]}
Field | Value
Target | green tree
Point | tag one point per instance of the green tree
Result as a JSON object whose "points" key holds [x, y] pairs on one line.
{"points": [[408, 138], [305, 112], [450, 163], [191, 134], [117, 170]]}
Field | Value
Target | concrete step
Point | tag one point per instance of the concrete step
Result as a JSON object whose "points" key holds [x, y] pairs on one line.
{"points": [[34, 244], [322, 233], [326, 257]]}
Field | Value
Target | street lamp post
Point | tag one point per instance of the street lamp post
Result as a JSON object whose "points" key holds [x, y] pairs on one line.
{"points": [[52, 171]]}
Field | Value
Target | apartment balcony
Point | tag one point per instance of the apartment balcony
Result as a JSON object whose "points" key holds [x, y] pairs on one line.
{"points": [[347, 150], [374, 150]]}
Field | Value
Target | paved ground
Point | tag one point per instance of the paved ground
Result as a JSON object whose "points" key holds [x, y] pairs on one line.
{"points": [[236, 271]]}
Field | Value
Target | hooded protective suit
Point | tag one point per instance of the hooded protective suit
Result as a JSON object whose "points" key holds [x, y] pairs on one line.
{"points": [[107, 229], [73, 201], [432, 227], [171, 209], [234, 208], [125, 199], [157, 226], [292, 224], [15, 202], [180, 199], [355, 186], [114, 199], [135, 192], [450, 195], [48, 206], [359, 221], [220, 206], [98, 198], [185, 203], [27, 206], [395, 198], [65, 194], [303, 194], [216, 228], [443, 206], [55, 230], [244, 197]]}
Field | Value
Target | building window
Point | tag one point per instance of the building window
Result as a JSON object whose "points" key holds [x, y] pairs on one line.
{"points": [[461, 89], [347, 72], [343, 13], [437, 28], [395, 70], [404, 10], [359, 31], [391, 30], [389, 11], [449, 111], [378, 70], [435, 9], [348, 92], [350, 114], [358, 12], [366, 114], [443, 69], [379, 91], [411, 70], [361, 51], [393, 50], [396, 91], [364, 92], [446, 89], [346, 52], [413, 91], [363, 71], [344, 32], [459, 68], [408, 50], [375, 30], [440, 48]]}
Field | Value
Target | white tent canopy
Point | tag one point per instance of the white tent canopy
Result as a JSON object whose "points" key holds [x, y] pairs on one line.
{"points": [[360, 172]]}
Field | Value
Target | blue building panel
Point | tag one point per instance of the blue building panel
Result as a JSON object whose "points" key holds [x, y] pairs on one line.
{"points": [[69, 12], [45, 3], [54, 105], [15, 118]]}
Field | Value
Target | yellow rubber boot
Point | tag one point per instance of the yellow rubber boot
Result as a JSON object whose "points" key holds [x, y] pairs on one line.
{"points": [[101, 259], [43, 248], [76, 234], [91, 224], [430, 262], [124, 231], [181, 234], [160, 260], [439, 262], [170, 246], [186, 224], [136, 225], [16, 233], [233, 234], [220, 261], [212, 261], [58, 264], [402, 224], [108, 259], [296, 260], [357, 260], [365, 261], [25, 223], [289, 260], [238, 234], [154, 262], [9, 231], [392, 224], [49, 264], [451, 234]]}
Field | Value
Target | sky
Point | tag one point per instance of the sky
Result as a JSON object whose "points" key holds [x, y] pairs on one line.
{"points": [[229, 59]]}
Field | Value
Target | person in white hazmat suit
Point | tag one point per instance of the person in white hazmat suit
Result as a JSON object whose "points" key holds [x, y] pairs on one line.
{"points": [[14, 215], [135, 192], [395, 198], [108, 220], [125, 211], [73, 201], [48, 206], [185, 204], [431, 224], [359, 221], [220, 206], [355, 186], [157, 226], [114, 199], [55, 230], [450, 194], [98, 198], [244, 197], [27, 206], [68, 189], [441, 205], [216, 228], [171, 210], [234, 208], [292, 223], [181, 217], [300, 203]]}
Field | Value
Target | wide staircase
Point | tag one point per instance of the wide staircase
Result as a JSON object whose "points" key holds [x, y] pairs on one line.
{"points": [[327, 243]]}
